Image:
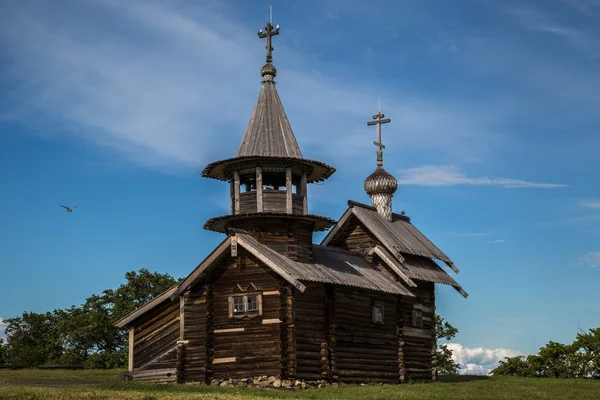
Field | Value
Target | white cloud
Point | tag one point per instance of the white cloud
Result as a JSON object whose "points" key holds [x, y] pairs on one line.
{"points": [[479, 360], [496, 241], [591, 259], [3, 326], [164, 85], [589, 203], [448, 175]]}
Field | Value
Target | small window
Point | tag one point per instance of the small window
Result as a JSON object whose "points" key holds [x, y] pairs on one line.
{"points": [[377, 314], [245, 305], [238, 304], [417, 318], [253, 303]]}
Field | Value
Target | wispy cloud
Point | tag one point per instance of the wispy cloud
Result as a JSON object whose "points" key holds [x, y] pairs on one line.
{"points": [[448, 175], [591, 259], [537, 20], [496, 241], [590, 203], [479, 361], [3, 326], [160, 83]]}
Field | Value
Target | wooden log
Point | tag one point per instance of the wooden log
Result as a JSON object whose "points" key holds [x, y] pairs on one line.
{"points": [[331, 334], [180, 362], [236, 192], [304, 193], [288, 190], [400, 333], [259, 189], [131, 343], [209, 334]]}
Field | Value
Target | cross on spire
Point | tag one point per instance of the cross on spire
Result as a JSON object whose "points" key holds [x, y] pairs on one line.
{"points": [[268, 33], [378, 120]]}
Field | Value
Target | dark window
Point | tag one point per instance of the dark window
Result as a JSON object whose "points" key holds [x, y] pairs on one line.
{"points": [[253, 303], [238, 304], [378, 314], [417, 318]]}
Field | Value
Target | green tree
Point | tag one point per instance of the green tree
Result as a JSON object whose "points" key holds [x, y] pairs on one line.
{"points": [[33, 339], [579, 359], [3, 350], [445, 331]]}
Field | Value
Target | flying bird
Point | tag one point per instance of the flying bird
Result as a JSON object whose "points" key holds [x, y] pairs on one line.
{"points": [[69, 210]]}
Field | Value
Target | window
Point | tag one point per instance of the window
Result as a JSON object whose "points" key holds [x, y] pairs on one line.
{"points": [[248, 304], [417, 318], [253, 302], [238, 304], [378, 314]]}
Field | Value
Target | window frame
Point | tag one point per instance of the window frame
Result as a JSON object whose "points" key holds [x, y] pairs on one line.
{"points": [[417, 320], [245, 313], [374, 314]]}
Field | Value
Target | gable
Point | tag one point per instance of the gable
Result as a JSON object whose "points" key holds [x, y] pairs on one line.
{"points": [[398, 243]]}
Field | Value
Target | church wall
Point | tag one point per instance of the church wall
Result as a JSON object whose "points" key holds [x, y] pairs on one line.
{"points": [[290, 238], [419, 343], [311, 332], [195, 312], [364, 350], [248, 346], [155, 338], [355, 237]]}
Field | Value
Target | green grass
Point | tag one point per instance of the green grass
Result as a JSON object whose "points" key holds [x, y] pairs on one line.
{"points": [[97, 384]]}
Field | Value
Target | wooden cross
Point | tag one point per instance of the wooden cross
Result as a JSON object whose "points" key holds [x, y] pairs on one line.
{"points": [[269, 32], [378, 120]]}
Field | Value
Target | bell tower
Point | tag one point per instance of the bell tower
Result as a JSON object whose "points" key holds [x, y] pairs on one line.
{"points": [[268, 176]]}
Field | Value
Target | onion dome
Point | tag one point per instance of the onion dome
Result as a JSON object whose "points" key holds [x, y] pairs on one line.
{"points": [[380, 182]]}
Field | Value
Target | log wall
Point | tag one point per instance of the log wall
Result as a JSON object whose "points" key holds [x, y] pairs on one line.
{"points": [[195, 333], [249, 346], [419, 343], [311, 332], [288, 237], [155, 338], [364, 350], [355, 237], [273, 201]]}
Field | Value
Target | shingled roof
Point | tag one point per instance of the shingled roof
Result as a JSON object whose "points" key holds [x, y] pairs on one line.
{"points": [[269, 133], [410, 248]]}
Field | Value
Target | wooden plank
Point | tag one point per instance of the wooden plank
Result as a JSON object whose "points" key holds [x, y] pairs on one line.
{"points": [[271, 321], [304, 193], [181, 317], [271, 293], [130, 364], [230, 330], [236, 191], [288, 190], [224, 360], [259, 190]]}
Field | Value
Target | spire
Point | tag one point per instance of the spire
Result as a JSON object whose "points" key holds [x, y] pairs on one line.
{"points": [[269, 132], [380, 185]]}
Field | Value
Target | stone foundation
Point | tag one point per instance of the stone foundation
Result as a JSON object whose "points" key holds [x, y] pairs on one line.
{"points": [[271, 382]]}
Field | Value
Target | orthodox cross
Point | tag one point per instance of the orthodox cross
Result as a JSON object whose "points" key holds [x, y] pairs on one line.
{"points": [[378, 120], [269, 32]]}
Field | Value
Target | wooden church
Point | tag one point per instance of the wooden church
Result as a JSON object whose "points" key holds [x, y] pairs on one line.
{"points": [[359, 307]]}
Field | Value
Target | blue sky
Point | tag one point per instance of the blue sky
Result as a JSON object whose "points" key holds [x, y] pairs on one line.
{"points": [[117, 106]]}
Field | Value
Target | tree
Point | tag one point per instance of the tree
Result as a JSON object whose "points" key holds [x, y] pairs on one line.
{"points": [[33, 339], [579, 359], [84, 334], [445, 363]]}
